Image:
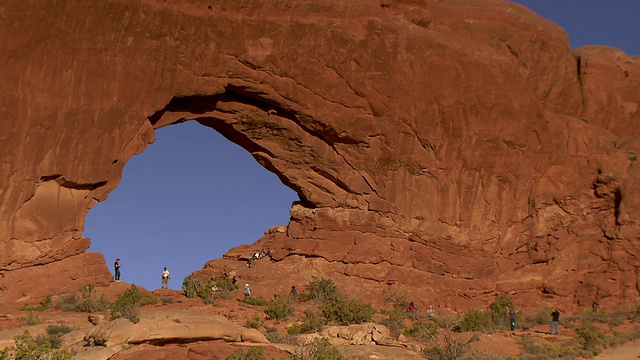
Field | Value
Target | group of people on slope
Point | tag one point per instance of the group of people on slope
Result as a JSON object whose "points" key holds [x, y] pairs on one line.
{"points": [[165, 274]]}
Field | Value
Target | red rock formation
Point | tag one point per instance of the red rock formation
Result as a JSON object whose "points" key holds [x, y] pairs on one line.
{"points": [[456, 149]]}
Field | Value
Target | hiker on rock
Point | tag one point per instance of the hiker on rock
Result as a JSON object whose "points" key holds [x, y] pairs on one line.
{"points": [[555, 319], [165, 278], [116, 267], [512, 318], [247, 290]]}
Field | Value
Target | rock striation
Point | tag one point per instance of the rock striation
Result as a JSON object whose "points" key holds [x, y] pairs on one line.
{"points": [[458, 150]]}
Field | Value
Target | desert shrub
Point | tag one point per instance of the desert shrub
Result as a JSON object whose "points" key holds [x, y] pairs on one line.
{"points": [[347, 311], [125, 305], [320, 290], [600, 316], [255, 322], [499, 312], [309, 325], [53, 336], [394, 322], [255, 300], [635, 314], [44, 305], [192, 286], [27, 348], [540, 317], [68, 303], [225, 283], [279, 308], [399, 300], [589, 335], [31, 319], [452, 346], [475, 320], [276, 337], [422, 330], [166, 300], [320, 349], [88, 302], [256, 353], [567, 350]]}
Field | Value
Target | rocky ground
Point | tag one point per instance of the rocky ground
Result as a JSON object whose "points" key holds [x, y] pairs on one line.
{"points": [[182, 328]]}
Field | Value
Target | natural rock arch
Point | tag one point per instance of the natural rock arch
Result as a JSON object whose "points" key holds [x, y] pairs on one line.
{"points": [[424, 145]]}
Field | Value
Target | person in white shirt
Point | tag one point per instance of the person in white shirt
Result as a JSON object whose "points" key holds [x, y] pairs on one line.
{"points": [[165, 278]]}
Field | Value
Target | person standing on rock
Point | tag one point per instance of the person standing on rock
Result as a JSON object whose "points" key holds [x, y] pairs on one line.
{"points": [[555, 319], [116, 267], [247, 290], [512, 318], [165, 278]]}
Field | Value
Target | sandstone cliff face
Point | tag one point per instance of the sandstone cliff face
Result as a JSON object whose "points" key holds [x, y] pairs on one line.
{"points": [[457, 146]]}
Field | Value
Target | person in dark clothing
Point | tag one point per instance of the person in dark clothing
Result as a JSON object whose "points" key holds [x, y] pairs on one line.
{"points": [[294, 292], [555, 319], [512, 318], [116, 267]]}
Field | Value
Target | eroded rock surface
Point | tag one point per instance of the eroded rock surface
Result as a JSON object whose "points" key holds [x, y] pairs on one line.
{"points": [[455, 149]]}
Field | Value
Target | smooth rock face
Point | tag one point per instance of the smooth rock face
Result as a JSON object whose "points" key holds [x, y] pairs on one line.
{"points": [[458, 149]]}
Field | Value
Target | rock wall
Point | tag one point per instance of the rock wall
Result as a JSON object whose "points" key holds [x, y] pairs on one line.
{"points": [[459, 143]]}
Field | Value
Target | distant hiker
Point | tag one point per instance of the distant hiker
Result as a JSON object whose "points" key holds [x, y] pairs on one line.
{"points": [[116, 267], [247, 290], [430, 312], [294, 292], [512, 318], [412, 308], [555, 319], [165, 278], [255, 257], [595, 307]]}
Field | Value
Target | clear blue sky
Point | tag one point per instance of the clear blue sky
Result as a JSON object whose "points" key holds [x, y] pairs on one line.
{"points": [[192, 195]]}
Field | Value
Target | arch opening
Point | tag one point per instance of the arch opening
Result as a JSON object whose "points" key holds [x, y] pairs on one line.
{"points": [[188, 198]]}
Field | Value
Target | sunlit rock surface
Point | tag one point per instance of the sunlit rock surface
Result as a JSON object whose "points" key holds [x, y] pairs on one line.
{"points": [[457, 150]]}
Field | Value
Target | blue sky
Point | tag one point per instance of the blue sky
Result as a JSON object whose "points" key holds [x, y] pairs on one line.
{"points": [[192, 195]]}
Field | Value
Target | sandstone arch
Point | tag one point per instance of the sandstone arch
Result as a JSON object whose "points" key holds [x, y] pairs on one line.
{"points": [[443, 144]]}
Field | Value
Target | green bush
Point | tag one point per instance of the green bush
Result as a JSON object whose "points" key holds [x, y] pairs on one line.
{"points": [[347, 311], [27, 348], [540, 317], [309, 325], [125, 305], [256, 353], [318, 350], [254, 323], [193, 286], [255, 300], [54, 335], [225, 283], [30, 320], [166, 300], [44, 305], [499, 312], [279, 308], [320, 290], [422, 330], [394, 322], [589, 335], [399, 300], [475, 320], [89, 302]]}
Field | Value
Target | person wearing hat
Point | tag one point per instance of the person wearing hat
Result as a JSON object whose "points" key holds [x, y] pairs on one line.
{"points": [[247, 290]]}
